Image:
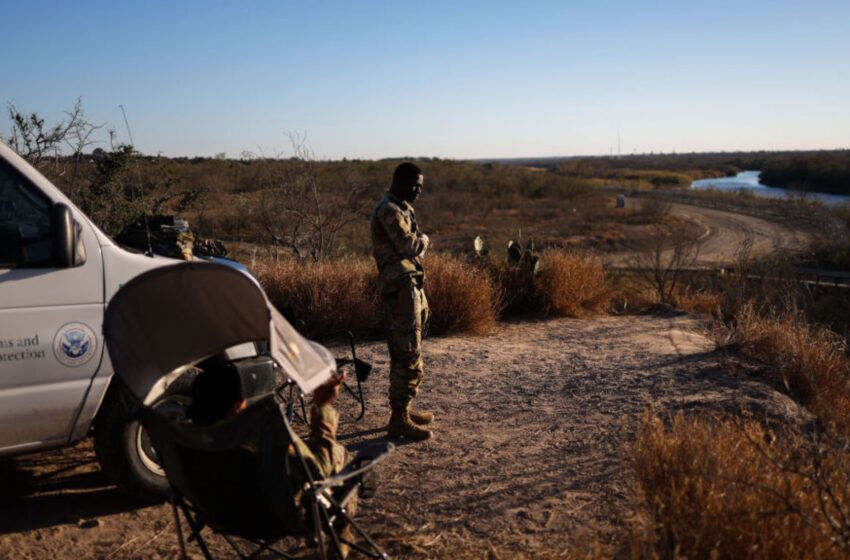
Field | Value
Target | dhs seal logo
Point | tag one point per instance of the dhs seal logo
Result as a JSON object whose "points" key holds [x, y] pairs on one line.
{"points": [[74, 345]]}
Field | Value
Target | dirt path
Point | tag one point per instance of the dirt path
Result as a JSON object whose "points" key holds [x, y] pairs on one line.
{"points": [[528, 456], [724, 233]]}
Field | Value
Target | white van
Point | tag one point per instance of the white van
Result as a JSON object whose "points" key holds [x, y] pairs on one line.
{"points": [[58, 272]]}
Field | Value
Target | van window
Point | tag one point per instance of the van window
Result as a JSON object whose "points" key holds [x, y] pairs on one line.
{"points": [[25, 229]]}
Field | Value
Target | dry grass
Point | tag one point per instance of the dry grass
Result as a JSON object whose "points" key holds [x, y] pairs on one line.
{"points": [[572, 285], [327, 296], [568, 285], [330, 297], [810, 360], [461, 297], [700, 301], [729, 488]]}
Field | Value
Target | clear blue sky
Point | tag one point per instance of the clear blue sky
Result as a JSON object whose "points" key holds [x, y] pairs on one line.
{"points": [[370, 79]]}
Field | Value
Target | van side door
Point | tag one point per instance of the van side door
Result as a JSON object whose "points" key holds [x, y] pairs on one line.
{"points": [[51, 316]]}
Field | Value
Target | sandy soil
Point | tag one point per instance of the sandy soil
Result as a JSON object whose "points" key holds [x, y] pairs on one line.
{"points": [[528, 459]]}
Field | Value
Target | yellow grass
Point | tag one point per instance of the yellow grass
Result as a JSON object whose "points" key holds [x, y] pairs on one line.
{"points": [[330, 297], [729, 488], [810, 360], [572, 285], [462, 298], [699, 301]]}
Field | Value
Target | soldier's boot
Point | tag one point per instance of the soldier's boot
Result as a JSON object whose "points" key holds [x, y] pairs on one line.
{"points": [[421, 418], [401, 425]]}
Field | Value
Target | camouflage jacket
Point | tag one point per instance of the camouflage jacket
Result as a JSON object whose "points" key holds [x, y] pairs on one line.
{"points": [[323, 454], [397, 244]]}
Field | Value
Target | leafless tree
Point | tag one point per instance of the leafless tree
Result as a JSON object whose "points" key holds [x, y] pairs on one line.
{"points": [[301, 212], [663, 266], [49, 148]]}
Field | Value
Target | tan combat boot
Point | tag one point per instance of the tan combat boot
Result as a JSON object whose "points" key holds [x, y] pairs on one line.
{"points": [[421, 418], [401, 425]]}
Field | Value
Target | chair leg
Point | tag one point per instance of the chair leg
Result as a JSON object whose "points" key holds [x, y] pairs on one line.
{"points": [[317, 527], [196, 528], [183, 555], [263, 547], [234, 546], [376, 551], [331, 531]]}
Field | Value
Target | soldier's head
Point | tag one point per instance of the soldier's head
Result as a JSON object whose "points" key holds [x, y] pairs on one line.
{"points": [[407, 182]]}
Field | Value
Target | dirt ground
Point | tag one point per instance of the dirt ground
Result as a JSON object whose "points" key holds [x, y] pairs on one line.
{"points": [[533, 425], [721, 235]]}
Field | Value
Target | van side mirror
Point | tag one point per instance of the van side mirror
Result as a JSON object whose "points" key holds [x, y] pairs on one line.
{"points": [[67, 245]]}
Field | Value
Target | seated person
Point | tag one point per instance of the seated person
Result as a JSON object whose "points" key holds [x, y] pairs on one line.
{"points": [[217, 395]]}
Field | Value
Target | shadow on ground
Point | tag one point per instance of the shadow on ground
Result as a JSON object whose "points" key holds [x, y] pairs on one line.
{"points": [[57, 487]]}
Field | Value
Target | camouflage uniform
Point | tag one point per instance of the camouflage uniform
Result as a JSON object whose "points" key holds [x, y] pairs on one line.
{"points": [[323, 454], [398, 247]]}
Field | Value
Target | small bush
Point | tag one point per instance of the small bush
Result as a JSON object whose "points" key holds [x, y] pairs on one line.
{"points": [[700, 301], [572, 285], [462, 298], [517, 290], [568, 285], [729, 488], [650, 210], [327, 296], [810, 360]]}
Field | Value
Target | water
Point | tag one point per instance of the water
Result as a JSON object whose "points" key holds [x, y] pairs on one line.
{"points": [[749, 181]]}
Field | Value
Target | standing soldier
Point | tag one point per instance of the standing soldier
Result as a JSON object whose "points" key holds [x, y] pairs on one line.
{"points": [[399, 247]]}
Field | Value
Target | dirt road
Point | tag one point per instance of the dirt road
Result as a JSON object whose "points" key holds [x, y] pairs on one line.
{"points": [[721, 235], [725, 232], [533, 426]]}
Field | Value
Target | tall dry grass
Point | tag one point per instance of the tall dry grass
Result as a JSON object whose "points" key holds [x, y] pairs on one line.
{"points": [[730, 488], [568, 285], [329, 297], [461, 297], [572, 285], [810, 360]]}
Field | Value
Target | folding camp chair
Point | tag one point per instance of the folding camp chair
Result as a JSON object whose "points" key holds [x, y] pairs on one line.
{"points": [[235, 476]]}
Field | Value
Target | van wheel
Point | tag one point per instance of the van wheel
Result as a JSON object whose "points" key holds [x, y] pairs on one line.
{"points": [[122, 445]]}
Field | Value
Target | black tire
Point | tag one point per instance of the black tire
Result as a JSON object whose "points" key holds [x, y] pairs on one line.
{"points": [[121, 443]]}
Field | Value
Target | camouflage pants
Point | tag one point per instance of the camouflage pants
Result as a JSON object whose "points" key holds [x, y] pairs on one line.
{"points": [[406, 315]]}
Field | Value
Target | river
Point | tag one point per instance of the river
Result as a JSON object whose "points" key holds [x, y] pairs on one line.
{"points": [[749, 181]]}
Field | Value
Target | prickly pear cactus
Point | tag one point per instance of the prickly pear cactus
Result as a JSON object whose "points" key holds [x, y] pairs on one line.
{"points": [[480, 247], [514, 253], [524, 259]]}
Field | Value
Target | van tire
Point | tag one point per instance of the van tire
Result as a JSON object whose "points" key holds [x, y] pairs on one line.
{"points": [[118, 436]]}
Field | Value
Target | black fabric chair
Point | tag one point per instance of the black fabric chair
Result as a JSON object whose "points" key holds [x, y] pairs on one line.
{"points": [[234, 478]]}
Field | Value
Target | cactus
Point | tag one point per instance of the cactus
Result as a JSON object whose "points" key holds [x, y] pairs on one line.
{"points": [[516, 256], [515, 253], [523, 258], [480, 247]]}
